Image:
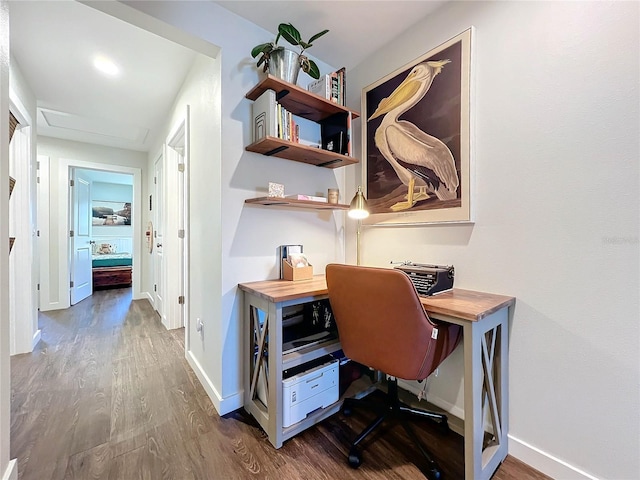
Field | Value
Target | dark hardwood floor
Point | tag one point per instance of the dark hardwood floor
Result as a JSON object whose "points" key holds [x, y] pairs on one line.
{"points": [[107, 394]]}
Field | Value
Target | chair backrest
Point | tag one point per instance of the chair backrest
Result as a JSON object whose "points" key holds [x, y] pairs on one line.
{"points": [[382, 323]]}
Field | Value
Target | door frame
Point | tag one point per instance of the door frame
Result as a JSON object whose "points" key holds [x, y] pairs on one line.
{"points": [[176, 246], [59, 298]]}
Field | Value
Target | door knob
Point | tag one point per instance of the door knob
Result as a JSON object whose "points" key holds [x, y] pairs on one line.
{"points": [[158, 245]]}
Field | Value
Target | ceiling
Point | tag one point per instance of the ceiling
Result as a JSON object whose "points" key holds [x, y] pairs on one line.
{"points": [[357, 28], [54, 43]]}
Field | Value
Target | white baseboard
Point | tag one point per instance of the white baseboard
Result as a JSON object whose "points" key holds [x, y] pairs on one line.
{"points": [[532, 456], [11, 473], [222, 405], [544, 462], [148, 296], [36, 339]]}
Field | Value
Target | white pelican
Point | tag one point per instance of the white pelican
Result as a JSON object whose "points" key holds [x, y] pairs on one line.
{"points": [[417, 158]]}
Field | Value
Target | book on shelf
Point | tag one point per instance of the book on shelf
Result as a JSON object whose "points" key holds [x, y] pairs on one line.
{"points": [[313, 198], [321, 87], [264, 116], [342, 83], [331, 86]]}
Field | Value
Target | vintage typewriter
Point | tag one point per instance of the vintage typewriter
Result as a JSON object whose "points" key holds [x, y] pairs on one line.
{"points": [[429, 279]]}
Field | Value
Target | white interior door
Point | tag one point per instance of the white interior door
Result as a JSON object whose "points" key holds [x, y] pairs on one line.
{"points": [[158, 223], [81, 281]]}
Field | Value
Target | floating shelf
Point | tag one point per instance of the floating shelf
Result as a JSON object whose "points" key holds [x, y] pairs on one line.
{"points": [[290, 202], [277, 147], [298, 100]]}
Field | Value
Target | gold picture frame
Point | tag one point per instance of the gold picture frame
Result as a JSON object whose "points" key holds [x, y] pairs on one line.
{"points": [[416, 139]]}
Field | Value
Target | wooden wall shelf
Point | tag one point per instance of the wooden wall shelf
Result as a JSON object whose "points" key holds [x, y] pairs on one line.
{"points": [[290, 202], [277, 147], [298, 100]]}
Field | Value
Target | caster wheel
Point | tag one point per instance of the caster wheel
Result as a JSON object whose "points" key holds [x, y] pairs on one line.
{"points": [[355, 458], [433, 473]]}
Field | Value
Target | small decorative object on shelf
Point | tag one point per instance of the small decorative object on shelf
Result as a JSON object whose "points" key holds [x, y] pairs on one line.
{"points": [[332, 195], [276, 190], [313, 198], [284, 63]]}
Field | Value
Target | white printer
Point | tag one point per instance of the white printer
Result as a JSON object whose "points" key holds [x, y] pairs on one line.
{"points": [[309, 390]]}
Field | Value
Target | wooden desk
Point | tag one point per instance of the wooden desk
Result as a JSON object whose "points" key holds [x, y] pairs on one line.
{"points": [[484, 318]]}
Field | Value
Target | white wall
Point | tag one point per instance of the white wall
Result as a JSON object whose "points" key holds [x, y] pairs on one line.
{"points": [[56, 156], [231, 243], [8, 469], [201, 94], [556, 153]]}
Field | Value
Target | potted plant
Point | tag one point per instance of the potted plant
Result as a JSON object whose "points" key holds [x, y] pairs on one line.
{"points": [[285, 63]]}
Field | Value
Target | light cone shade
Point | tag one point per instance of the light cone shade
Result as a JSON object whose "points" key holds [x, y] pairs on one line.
{"points": [[358, 208]]}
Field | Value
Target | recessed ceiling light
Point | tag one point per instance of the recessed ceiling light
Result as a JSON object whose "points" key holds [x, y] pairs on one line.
{"points": [[105, 65]]}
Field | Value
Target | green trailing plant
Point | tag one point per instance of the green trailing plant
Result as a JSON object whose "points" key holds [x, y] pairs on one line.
{"points": [[291, 35]]}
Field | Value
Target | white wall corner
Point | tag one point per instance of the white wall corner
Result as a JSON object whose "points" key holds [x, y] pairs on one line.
{"points": [[11, 473], [544, 462], [149, 298], [222, 405]]}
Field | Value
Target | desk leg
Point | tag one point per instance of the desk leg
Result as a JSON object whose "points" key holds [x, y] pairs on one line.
{"points": [[263, 373], [486, 395]]}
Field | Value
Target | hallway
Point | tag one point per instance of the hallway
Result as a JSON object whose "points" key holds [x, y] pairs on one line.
{"points": [[107, 394]]}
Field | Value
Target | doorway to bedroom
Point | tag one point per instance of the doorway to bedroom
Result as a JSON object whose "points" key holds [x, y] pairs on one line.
{"points": [[102, 244]]}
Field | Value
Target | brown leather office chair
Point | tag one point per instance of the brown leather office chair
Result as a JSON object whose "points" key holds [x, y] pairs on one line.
{"points": [[383, 325]]}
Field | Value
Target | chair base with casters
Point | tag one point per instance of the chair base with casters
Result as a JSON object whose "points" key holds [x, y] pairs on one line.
{"points": [[393, 409]]}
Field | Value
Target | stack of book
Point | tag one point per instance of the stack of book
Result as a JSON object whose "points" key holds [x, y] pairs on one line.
{"points": [[271, 119], [332, 86]]}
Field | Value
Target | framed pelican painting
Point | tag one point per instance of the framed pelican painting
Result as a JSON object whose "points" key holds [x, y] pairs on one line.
{"points": [[416, 139]]}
